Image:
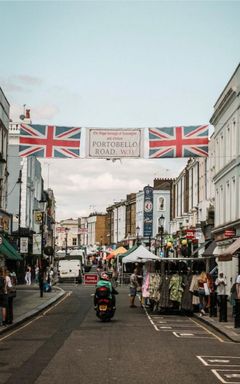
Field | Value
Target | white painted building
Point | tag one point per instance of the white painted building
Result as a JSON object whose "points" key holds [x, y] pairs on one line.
{"points": [[119, 217], [226, 139]]}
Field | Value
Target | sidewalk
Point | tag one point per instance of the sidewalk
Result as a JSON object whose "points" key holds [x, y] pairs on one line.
{"points": [[226, 328], [28, 303]]}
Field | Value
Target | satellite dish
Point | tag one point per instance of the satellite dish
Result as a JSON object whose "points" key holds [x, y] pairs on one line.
{"points": [[22, 117]]}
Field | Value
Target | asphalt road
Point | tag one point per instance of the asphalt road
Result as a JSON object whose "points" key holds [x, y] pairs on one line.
{"points": [[67, 344]]}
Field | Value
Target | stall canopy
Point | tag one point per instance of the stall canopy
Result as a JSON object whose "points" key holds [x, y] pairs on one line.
{"points": [[117, 251], [9, 251], [141, 254], [128, 252], [211, 250]]}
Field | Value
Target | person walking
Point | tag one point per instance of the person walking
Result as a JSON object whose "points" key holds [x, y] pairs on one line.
{"points": [[28, 278], [3, 296], [222, 297], [133, 288], [11, 293]]}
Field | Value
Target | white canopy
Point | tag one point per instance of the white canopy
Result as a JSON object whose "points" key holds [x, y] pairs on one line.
{"points": [[141, 254]]}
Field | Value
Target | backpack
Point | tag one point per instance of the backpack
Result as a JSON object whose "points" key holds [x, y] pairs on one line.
{"points": [[2, 284]]}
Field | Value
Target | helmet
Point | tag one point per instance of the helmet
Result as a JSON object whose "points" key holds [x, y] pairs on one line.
{"points": [[104, 276]]}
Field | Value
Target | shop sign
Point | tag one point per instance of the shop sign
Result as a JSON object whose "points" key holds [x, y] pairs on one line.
{"points": [[148, 211], [37, 244], [90, 279], [38, 217], [229, 233], [4, 223], [24, 245], [224, 257], [114, 143], [190, 234]]}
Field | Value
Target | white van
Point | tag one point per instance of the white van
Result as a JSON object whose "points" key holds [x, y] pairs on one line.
{"points": [[70, 270]]}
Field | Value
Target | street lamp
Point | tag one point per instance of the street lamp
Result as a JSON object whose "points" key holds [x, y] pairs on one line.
{"points": [[66, 239], [137, 234], [42, 206], [160, 231]]}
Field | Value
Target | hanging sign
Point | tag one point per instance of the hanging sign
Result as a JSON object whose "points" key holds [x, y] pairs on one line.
{"points": [[148, 211], [38, 217], [114, 143], [229, 233], [24, 245], [37, 244]]}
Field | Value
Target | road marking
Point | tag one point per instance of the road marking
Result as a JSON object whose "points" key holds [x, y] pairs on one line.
{"points": [[165, 327], [224, 361], [191, 335], [35, 319], [223, 377], [211, 333], [151, 321]]}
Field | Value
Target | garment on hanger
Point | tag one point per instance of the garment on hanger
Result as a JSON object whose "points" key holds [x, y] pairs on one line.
{"points": [[164, 301], [154, 287], [194, 289], [175, 288], [145, 286], [186, 303]]}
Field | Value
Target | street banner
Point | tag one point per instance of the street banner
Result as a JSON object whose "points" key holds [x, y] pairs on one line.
{"points": [[24, 245], [49, 141], [148, 211], [114, 143], [37, 244], [190, 141]]}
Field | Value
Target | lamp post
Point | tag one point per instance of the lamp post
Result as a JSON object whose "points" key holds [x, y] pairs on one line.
{"points": [[43, 204], [137, 234], [66, 239], [160, 231]]}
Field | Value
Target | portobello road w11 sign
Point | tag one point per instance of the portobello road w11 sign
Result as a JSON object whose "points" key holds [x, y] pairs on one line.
{"points": [[114, 143]]}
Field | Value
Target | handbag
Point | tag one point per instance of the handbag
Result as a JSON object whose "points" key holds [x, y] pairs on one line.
{"points": [[11, 292], [195, 293]]}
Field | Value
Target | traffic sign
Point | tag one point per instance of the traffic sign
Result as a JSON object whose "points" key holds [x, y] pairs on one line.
{"points": [[90, 279]]}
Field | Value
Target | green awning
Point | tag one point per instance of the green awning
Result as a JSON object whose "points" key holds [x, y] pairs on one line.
{"points": [[9, 251], [128, 252]]}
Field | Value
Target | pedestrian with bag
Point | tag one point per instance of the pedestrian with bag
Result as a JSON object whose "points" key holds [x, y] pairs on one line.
{"points": [[3, 296], [222, 297], [11, 293], [133, 288]]}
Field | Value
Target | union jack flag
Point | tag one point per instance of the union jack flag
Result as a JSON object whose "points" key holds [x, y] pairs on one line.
{"points": [[49, 141], [180, 141]]}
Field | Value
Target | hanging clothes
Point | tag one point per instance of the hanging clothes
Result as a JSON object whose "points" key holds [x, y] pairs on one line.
{"points": [[164, 301], [186, 304], [145, 286], [176, 289], [194, 289], [154, 287]]}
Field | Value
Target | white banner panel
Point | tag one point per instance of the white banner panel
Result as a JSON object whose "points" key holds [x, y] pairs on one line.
{"points": [[37, 244], [114, 143], [24, 245]]}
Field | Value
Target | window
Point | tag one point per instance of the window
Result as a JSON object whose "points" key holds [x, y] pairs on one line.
{"points": [[161, 204], [74, 241]]}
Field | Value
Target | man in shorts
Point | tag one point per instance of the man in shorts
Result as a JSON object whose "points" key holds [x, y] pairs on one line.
{"points": [[133, 288]]}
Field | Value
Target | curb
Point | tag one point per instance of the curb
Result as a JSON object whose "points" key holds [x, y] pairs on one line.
{"points": [[28, 315], [229, 334]]}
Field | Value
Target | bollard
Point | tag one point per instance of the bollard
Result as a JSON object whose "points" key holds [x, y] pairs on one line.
{"points": [[222, 308], [237, 314], [213, 304]]}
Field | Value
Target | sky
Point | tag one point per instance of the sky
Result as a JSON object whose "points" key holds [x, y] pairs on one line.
{"points": [[119, 64]]}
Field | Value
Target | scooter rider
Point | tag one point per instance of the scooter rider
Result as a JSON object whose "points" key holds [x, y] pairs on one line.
{"points": [[104, 281]]}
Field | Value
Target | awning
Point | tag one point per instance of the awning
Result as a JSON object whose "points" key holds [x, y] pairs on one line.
{"points": [[128, 252], [9, 251], [232, 248], [203, 245], [211, 249]]}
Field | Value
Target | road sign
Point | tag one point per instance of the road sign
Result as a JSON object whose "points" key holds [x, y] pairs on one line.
{"points": [[90, 278]]}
